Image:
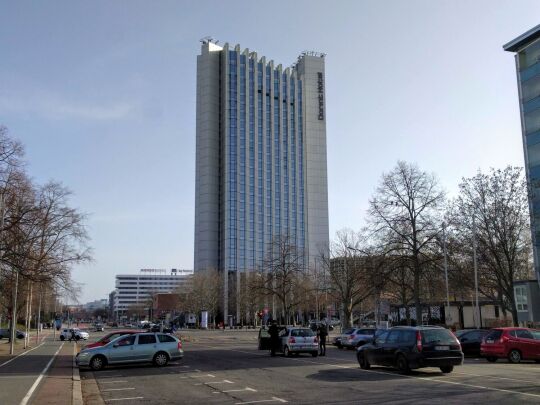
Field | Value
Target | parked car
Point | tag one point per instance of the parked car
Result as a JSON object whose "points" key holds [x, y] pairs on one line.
{"points": [[407, 347], [79, 334], [263, 339], [109, 337], [471, 339], [6, 333], [314, 325], [358, 337], [513, 343], [293, 340], [344, 335], [157, 348], [157, 327], [98, 327]]}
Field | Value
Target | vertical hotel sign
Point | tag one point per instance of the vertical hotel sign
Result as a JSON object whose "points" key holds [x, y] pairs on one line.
{"points": [[320, 90]]}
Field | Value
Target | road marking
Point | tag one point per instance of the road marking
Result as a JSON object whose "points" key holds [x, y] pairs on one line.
{"points": [[123, 399], [220, 382], [38, 380], [20, 355], [114, 382], [403, 376], [117, 389], [274, 399], [244, 389]]}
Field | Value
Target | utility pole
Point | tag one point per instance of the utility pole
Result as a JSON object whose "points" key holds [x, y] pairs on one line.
{"points": [[446, 267], [476, 308]]}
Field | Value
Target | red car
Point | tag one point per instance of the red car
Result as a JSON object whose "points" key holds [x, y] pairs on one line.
{"points": [[109, 337], [515, 344]]}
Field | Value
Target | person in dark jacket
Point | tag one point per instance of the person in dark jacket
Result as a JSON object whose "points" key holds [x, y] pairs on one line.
{"points": [[322, 333], [273, 331]]}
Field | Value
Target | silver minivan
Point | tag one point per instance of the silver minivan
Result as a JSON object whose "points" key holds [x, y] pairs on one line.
{"points": [[157, 348]]}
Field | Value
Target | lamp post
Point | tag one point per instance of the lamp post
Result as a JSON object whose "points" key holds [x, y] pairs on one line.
{"points": [[476, 308], [446, 265]]}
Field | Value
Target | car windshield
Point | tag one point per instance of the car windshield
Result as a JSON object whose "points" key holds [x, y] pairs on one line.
{"points": [[461, 332], [348, 331], [366, 332], [494, 334], [302, 332], [536, 334], [442, 336]]}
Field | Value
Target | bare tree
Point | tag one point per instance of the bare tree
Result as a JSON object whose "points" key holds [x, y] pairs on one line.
{"points": [[356, 272], [405, 212], [493, 208], [282, 275]]}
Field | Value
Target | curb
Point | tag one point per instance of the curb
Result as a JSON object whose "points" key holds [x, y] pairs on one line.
{"points": [[77, 398]]}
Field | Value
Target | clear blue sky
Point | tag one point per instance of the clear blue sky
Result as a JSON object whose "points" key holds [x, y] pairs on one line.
{"points": [[102, 94]]}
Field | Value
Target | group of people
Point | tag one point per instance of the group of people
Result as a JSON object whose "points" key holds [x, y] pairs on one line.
{"points": [[322, 334]]}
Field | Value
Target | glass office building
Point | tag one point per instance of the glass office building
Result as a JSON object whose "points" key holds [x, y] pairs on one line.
{"points": [[261, 159], [527, 50]]}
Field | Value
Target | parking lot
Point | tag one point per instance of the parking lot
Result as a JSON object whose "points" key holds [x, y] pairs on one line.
{"points": [[226, 367]]}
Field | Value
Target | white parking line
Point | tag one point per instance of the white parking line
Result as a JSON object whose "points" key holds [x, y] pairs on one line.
{"points": [[36, 383], [220, 382], [123, 399], [117, 389], [495, 377], [241, 390], [274, 399]]}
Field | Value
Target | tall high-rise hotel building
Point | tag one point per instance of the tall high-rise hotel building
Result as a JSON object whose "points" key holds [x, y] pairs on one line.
{"points": [[261, 158], [527, 49]]}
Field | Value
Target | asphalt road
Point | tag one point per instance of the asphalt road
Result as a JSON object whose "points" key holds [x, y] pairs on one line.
{"points": [[226, 368]]}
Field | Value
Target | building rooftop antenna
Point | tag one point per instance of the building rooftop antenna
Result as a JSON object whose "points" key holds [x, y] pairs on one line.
{"points": [[208, 39]]}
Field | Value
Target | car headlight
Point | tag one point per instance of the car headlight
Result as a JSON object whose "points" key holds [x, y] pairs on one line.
{"points": [[82, 354]]}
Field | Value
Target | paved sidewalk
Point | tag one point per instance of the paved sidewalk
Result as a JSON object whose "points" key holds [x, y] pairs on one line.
{"points": [[56, 388]]}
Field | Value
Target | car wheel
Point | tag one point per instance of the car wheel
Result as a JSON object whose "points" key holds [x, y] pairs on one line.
{"points": [[402, 364], [447, 369], [339, 346], [286, 352], [491, 359], [364, 364], [97, 363], [314, 354], [514, 356], [360, 344], [62, 338], [161, 359]]}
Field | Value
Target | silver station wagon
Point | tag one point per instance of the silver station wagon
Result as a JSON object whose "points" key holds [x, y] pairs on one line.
{"points": [[157, 348], [298, 340]]}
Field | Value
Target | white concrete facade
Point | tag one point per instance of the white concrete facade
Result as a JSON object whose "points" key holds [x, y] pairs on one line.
{"points": [[136, 289]]}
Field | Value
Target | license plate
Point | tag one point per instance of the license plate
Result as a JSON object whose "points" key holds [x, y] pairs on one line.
{"points": [[442, 347], [489, 341]]}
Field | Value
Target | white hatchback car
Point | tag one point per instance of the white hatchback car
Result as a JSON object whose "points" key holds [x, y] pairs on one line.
{"points": [[79, 334]]}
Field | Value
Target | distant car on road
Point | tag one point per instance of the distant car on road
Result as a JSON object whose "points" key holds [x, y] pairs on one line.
{"points": [[79, 334], [109, 337], [6, 333], [294, 340], [358, 337], [471, 339], [406, 348], [157, 348], [98, 327], [515, 344]]}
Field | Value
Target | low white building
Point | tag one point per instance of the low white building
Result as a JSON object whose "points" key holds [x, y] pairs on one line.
{"points": [[137, 289]]}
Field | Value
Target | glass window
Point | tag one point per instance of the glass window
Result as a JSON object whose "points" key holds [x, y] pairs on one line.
{"points": [[407, 336], [530, 89], [524, 334], [126, 341], [166, 338], [437, 336], [382, 338], [520, 293], [147, 339], [529, 56], [393, 337]]}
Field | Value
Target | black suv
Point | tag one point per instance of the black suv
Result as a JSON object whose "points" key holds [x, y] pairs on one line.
{"points": [[407, 347]]}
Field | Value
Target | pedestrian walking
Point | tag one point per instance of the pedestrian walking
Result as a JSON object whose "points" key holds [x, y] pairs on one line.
{"points": [[322, 333], [273, 331]]}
